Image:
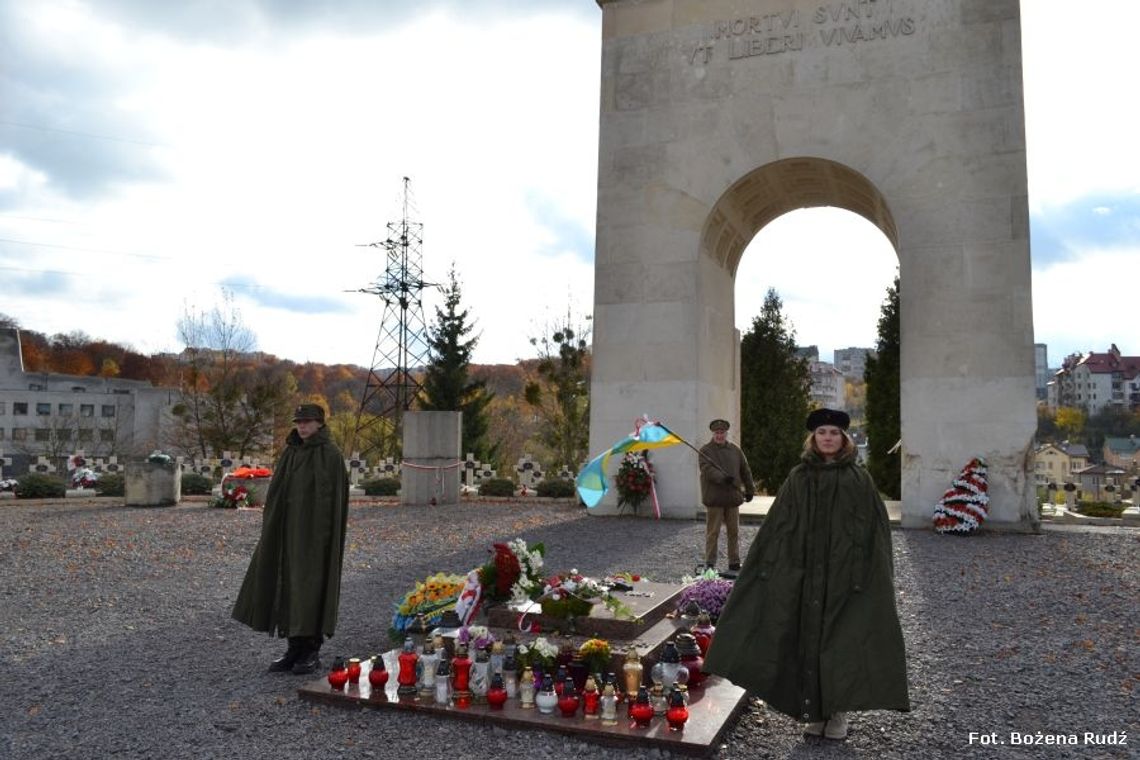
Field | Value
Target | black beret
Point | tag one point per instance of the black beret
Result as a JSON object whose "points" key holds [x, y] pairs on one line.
{"points": [[719, 425], [828, 417]]}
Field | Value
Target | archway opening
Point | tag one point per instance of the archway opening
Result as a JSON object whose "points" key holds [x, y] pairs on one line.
{"points": [[822, 236]]}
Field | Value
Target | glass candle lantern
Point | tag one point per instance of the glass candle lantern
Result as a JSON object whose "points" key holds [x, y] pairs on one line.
{"points": [[429, 664], [443, 682], [590, 699], [338, 676], [669, 670], [632, 673], [377, 674], [559, 679], [353, 670], [526, 689], [641, 711], [690, 653], [609, 705], [461, 675], [498, 657], [703, 632], [568, 700], [678, 713], [496, 692], [546, 699], [510, 675], [480, 676], [407, 675], [658, 699]]}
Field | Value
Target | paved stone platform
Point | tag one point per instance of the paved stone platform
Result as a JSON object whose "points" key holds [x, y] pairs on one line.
{"points": [[712, 706]]}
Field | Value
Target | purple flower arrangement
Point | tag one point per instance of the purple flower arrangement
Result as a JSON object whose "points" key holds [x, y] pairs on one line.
{"points": [[710, 595]]}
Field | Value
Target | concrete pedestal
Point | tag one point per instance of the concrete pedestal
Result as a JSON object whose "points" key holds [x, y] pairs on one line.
{"points": [[429, 472], [152, 484]]}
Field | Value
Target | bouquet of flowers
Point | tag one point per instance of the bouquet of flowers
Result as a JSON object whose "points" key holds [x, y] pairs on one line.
{"points": [[597, 654], [710, 594], [634, 480], [233, 496], [251, 472], [83, 478], [541, 653], [430, 598], [572, 594], [514, 570], [475, 637]]}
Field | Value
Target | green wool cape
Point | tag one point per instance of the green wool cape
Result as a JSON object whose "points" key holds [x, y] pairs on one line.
{"points": [[292, 586], [811, 626]]}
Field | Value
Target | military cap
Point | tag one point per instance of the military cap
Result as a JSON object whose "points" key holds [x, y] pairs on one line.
{"points": [[828, 417], [718, 425], [309, 412]]}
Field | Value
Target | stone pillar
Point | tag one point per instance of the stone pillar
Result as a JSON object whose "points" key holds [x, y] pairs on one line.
{"points": [[430, 468], [152, 484]]}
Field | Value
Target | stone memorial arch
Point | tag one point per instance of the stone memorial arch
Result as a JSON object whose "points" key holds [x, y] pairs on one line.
{"points": [[718, 116]]}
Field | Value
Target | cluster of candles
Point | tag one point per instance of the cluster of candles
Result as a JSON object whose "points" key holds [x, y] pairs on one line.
{"points": [[491, 678]]}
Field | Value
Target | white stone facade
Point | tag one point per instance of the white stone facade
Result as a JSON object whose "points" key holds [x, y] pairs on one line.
{"points": [[718, 116]]}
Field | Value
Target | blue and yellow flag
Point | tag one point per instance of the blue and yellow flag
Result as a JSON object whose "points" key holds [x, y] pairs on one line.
{"points": [[591, 481]]}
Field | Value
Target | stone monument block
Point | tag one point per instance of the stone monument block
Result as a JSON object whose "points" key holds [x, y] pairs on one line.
{"points": [[718, 117], [152, 484], [429, 472]]}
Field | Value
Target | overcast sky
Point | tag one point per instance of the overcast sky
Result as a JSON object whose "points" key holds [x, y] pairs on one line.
{"points": [[152, 153]]}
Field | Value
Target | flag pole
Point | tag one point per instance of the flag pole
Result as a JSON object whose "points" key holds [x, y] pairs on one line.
{"points": [[700, 453]]}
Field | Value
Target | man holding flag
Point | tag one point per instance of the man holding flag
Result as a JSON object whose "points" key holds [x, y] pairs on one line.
{"points": [[724, 471]]}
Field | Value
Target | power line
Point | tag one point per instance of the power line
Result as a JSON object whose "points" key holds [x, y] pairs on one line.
{"points": [[89, 135], [88, 250]]}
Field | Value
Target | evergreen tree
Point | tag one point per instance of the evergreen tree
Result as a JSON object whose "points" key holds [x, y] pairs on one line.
{"points": [[882, 377], [774, 396], [560, 394], [448, 386]]}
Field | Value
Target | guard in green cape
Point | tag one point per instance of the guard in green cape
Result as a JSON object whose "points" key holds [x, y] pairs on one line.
{"points": [[292, 587], [811, 625]]}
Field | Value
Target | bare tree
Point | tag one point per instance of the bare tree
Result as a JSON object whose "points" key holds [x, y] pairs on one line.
{"points": [[229, 401]]}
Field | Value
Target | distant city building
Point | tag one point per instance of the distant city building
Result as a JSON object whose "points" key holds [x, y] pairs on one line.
{"points": [[828, 386], [1123, 453], [811, 353], [1095, 381], [44, 414], [1056, 462], [1041, 364], [852, 362]]}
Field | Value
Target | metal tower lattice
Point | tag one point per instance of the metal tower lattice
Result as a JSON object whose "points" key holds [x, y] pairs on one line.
{"points": [[395, 378]]}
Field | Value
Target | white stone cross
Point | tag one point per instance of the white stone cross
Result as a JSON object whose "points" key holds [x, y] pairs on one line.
{"points": [[529, 472]]}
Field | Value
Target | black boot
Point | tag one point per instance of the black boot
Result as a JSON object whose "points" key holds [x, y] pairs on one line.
{"points": [[285, 662], [310, 658]]}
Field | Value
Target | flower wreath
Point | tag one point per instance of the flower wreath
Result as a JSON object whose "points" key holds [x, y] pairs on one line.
{"points": [[965, 505]]}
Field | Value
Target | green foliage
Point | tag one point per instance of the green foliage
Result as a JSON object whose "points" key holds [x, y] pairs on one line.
{"points": [[38, 485], [497, 487], [883, 417], [381, 487], [1100, 509], [556, 489], [111, 484], [194, 484], [774, 395], [560, 393], [448, 386]]}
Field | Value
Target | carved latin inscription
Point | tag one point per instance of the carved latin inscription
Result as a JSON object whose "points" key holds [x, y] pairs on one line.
{"points": [[830, 25]]}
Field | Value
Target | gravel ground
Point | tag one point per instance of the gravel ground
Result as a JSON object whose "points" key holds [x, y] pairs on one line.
{"points": [[117, 639]]}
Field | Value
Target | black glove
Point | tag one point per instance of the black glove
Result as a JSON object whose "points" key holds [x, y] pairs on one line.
{"points": [[748, 497]]}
